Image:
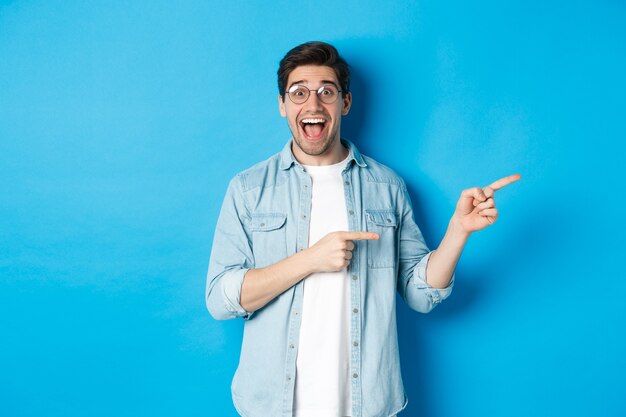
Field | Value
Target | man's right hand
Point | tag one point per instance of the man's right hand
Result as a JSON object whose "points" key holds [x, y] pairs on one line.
{"points": [[333, 252]]}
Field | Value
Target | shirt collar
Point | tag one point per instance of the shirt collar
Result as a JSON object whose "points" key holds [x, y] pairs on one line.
{"points": [[287, 159]]}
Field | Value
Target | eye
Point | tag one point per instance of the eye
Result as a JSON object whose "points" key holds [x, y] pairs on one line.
{"points": [[328, 91], [296, 90]]}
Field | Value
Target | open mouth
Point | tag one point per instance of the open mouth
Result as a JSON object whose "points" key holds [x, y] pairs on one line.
{"points": [[313, 127]]}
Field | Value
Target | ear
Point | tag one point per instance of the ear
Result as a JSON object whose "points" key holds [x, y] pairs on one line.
{"points": [[281, 106], [347, 102]]}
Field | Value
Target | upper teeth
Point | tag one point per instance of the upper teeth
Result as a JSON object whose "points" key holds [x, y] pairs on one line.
{"points": [[313, 120]]}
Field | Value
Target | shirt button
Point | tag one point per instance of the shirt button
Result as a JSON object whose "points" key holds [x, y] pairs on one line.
{"points": [[347, 182], [351, 213], [304, 216], [388, 220], [356, 310], [355, 344], [355, 375], [288, 378], [262, 224], [290, 346], [353, 277]]}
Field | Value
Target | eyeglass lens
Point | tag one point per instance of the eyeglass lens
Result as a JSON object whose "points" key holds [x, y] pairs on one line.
{"points": [[327, 94]]}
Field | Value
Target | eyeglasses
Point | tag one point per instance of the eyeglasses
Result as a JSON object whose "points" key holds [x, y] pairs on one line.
{"points": [[327, 94]]}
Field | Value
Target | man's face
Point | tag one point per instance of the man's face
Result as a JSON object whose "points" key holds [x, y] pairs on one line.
{"points": [[315, 139]]}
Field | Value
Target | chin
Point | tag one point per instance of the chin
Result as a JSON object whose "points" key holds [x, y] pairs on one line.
{"points": [[314, 148]]}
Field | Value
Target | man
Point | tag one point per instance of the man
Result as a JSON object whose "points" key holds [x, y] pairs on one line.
{"points": [[311, 246]]}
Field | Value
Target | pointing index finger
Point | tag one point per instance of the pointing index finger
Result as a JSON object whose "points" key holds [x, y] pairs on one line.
{"points": [[360, 236], [503, 182]]}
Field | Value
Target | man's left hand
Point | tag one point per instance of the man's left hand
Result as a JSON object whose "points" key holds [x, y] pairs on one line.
{"points": [[476, 209]]}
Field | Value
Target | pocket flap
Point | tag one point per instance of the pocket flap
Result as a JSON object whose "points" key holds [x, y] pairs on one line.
{"points": [[263, 222], [382, 217]]}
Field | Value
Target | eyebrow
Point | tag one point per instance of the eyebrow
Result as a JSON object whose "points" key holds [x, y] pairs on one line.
{"points": [[305, 82]]}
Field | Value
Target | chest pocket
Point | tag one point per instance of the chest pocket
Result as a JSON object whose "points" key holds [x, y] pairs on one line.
{"points": [[382, 253], [269, 238]]}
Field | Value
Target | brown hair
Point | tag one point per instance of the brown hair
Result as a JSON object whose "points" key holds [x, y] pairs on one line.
{"points": [[314, 53]]}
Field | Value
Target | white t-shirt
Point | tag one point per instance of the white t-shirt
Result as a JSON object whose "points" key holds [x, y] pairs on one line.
{"points": [[323, 363]]}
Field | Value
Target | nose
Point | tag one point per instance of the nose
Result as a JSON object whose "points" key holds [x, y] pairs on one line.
{"points": [[313, 102]]}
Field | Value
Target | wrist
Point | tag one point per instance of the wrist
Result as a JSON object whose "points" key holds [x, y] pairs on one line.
{"points": [[304, 262], [456, 229]]}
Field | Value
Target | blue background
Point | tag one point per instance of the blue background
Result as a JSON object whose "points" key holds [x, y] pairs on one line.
{"points": [[121, 124]]}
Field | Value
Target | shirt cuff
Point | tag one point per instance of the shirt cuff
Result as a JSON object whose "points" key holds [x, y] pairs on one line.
{"points": [[436, 295], [231, 292]]}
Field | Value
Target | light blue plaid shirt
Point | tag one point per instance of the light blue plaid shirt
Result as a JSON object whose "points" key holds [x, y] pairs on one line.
{"points": [[265, 218]]}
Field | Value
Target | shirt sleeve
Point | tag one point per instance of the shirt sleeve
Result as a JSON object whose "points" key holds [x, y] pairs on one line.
{"points": [[231, 258], [413, 256]]}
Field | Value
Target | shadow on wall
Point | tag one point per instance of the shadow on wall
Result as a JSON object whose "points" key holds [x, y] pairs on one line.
{"points": [[352, 125], [541, 244]]}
